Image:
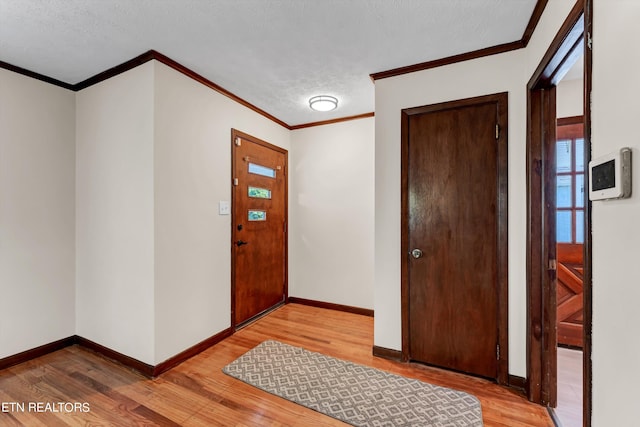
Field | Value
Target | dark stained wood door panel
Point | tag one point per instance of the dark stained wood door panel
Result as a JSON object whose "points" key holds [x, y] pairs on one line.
{"points": [[454, 290]]}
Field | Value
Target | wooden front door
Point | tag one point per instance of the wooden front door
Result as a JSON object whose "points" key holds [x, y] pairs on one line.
{"points": [[454, 165], [259, 227]]}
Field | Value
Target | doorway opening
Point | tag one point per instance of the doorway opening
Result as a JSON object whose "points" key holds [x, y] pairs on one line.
{"points": [[558, 233], [570, 206]]}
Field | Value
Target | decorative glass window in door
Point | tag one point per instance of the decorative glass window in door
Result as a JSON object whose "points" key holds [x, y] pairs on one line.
{"points": [[256, 215], [570, 190], [262, 170], [259, 193]]}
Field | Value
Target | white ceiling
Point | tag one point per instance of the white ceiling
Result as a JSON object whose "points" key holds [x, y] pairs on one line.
{"points": [[275, 54]]}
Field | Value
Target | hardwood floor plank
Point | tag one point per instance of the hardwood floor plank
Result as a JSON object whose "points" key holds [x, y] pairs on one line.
{"points": [[197, 392], [245, 405], [154, 417]]}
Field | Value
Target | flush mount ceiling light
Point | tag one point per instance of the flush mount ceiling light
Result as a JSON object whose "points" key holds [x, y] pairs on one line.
{"points": [[323, 103]]}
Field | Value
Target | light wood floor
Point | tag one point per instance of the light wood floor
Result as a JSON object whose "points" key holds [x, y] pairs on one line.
{"points": [[197, 393], [569, 409]]}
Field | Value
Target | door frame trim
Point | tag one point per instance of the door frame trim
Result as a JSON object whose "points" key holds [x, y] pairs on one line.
{"points": [[501, 100], [541, 118], [238, 134]]}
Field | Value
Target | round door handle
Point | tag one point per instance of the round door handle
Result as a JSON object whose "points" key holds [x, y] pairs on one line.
{"points": [[416, 253]]}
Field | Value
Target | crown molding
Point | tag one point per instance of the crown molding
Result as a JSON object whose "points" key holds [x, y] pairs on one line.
{"points": [[533, 22], [34, 75], [152, 54], [211, 85], [332, 121], [480, 53], [155, 55], [114, 71], [135, 62]]}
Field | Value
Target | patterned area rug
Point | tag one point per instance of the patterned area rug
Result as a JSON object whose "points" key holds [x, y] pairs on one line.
{"points": [[356, 394]]}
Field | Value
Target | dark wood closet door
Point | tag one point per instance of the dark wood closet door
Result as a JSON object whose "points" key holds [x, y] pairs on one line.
{"points": [[453, 195]]}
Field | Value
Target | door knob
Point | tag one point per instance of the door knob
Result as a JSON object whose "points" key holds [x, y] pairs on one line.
{"points": [[241, 242], [416, 253]]}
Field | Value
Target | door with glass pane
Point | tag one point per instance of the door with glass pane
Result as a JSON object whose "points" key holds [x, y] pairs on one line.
{"points": [[259, 227], [570, 202]]}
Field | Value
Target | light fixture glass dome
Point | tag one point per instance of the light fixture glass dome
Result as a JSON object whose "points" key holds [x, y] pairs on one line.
{"points": [[323, 103]]}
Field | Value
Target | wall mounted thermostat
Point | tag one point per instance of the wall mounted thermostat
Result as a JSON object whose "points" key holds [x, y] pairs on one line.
{"points": [[610, 176]]}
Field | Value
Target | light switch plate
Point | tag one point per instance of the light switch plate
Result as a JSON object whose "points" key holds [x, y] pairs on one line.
{"points": [[224, 208]]}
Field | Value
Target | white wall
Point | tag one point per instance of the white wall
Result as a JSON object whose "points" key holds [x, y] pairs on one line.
{"points": [[114, 213], [569, 95], [192, 174], [332, 212], [616, 224], [37, 243], [153, 161], [508, 72]]}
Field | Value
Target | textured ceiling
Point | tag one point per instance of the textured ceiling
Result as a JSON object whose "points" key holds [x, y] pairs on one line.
{"points": [[275, 54]]}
